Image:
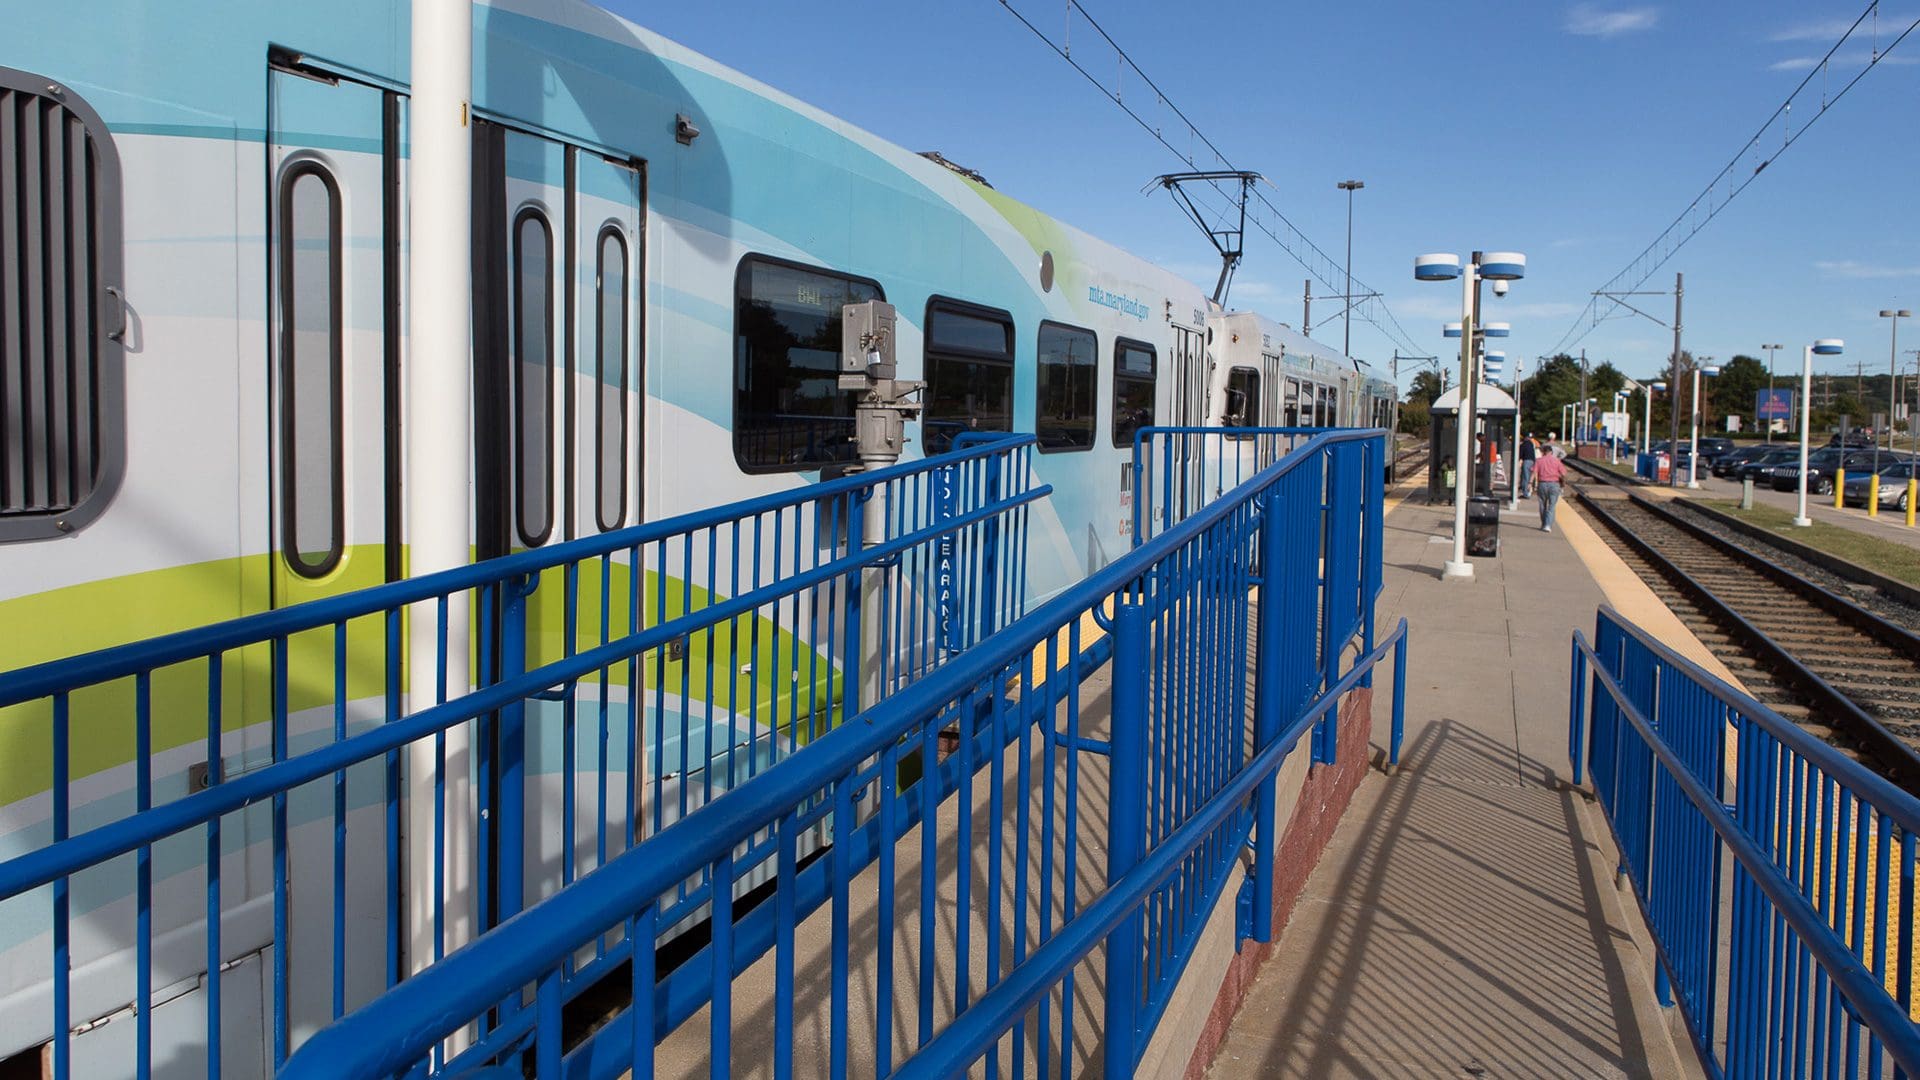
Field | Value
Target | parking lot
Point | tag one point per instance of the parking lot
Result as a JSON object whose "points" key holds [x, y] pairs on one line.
{"points": [[1889, 525]]}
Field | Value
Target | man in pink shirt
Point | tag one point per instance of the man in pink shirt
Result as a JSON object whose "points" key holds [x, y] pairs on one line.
{"points": [[1549, 472]]}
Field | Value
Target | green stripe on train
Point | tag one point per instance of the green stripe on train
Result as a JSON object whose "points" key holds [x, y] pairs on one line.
{"points": [[81, 618]]}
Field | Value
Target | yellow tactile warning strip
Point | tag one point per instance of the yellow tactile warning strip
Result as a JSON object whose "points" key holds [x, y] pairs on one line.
{"points": [[1631, 596]]}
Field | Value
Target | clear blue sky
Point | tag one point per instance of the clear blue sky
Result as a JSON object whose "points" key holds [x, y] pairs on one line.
{"points": [[1573, 132]]}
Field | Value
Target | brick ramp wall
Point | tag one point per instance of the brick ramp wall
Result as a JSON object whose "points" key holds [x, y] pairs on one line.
{"points": [[1316, 813]]}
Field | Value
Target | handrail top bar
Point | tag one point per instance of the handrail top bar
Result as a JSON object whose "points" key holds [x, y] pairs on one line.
{"points": [[120, 661], [1140, 434], [1902, 807], [1863, 991], [463, 983]]}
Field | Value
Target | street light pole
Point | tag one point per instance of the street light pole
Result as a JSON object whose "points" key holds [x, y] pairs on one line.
{"points": [[1693, 450], [1893, 360], [1349, 186], [1823, 347], [1772, 351]]}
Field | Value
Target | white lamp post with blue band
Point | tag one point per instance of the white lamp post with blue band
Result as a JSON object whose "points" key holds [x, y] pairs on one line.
{"points": [[1492, 266], [1693, 449], [1822, 347]]}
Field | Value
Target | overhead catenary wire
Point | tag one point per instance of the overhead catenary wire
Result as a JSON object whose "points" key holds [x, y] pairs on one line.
{"points": [[1703, 209], [1266, 216]]}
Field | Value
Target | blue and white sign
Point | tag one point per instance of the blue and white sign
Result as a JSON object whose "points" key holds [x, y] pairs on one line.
{"points": [[946, 495], [1773, 405]]}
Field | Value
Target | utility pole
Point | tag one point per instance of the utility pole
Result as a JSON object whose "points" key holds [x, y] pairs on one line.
{"points": [[1673, 398], [1583, 399], [1306, 313]]}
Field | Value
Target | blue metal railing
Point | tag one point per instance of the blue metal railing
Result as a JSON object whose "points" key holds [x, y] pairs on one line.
{"points": [[620, 682], [981, 776], [1178, 470], [1775, 873]]}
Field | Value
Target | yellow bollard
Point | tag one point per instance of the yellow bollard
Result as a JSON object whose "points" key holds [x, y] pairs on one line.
{"points": [[1913, 499], [1873, 495], [1839, 488]]}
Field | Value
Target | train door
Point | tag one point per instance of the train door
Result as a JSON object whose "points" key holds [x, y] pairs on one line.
{"points": [[558, 406], [1189, 406], [333, 195], [333, 268]]}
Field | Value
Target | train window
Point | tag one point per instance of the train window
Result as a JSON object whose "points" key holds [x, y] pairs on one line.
{"points": [[1068, 388], [610, 378], [312, 472], [788, 410], [969, 372], [1243, 398], [62, 433], [1133, 371], [1291, 418], [532, 367], [1327, 414]]}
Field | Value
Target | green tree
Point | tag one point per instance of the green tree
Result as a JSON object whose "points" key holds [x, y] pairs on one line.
{"points": [[1551, 385], [1415, 417], [1734, 388], [1426, 387]]}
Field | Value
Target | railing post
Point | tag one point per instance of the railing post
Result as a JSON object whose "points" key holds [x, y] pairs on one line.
{"points": [[1126, 840], [508, 813], [1269, 634], [1399, 698], [1576, 712]]}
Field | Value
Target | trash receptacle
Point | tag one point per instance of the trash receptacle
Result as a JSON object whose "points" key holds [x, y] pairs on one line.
{"points": [[1483, 526]]}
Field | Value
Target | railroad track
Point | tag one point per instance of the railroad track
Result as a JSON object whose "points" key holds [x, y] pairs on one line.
{"points": [[1817, 658]]}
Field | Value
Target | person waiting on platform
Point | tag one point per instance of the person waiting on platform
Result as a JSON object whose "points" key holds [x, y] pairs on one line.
{"points": [[1526, 453], [1548, 474]]}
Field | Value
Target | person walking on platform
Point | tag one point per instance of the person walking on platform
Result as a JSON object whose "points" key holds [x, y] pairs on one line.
{"points": [[1526, 453], [1548, 474]]}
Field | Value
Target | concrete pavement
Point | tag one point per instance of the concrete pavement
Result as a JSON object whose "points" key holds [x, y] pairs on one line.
{"points": [[1465, 920]]}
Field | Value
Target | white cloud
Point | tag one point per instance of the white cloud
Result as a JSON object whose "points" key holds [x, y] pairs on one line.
{"points": [[1588, 20], [1859, 271]]}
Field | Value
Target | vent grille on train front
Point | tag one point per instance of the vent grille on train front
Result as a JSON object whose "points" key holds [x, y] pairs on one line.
{"points": [[60, 312]]}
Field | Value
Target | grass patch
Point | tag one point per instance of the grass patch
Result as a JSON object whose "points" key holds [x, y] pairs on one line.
{"points": [[1896, 561]]}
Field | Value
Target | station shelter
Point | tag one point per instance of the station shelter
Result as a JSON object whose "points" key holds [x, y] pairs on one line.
{"points": [[1497, 427]]}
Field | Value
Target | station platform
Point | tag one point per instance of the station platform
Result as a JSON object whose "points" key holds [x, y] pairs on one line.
{"points": [[1465, 920]]}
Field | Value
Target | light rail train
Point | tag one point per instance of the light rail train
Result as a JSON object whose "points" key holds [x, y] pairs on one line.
{"points": [[203, 267]]}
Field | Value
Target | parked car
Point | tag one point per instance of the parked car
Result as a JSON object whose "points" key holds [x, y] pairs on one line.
{"points": [[1821, 465], [1853, 438], [1893, 484], [1712, 450], [1725, 464], [1760, 469]]}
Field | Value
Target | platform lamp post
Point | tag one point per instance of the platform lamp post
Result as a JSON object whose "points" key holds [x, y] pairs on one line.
{"points": [[1893, 377], [1646, 423], [1613, 438], [1821, 347], [1693, 446], [1493, 266], [1772, 351]]}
